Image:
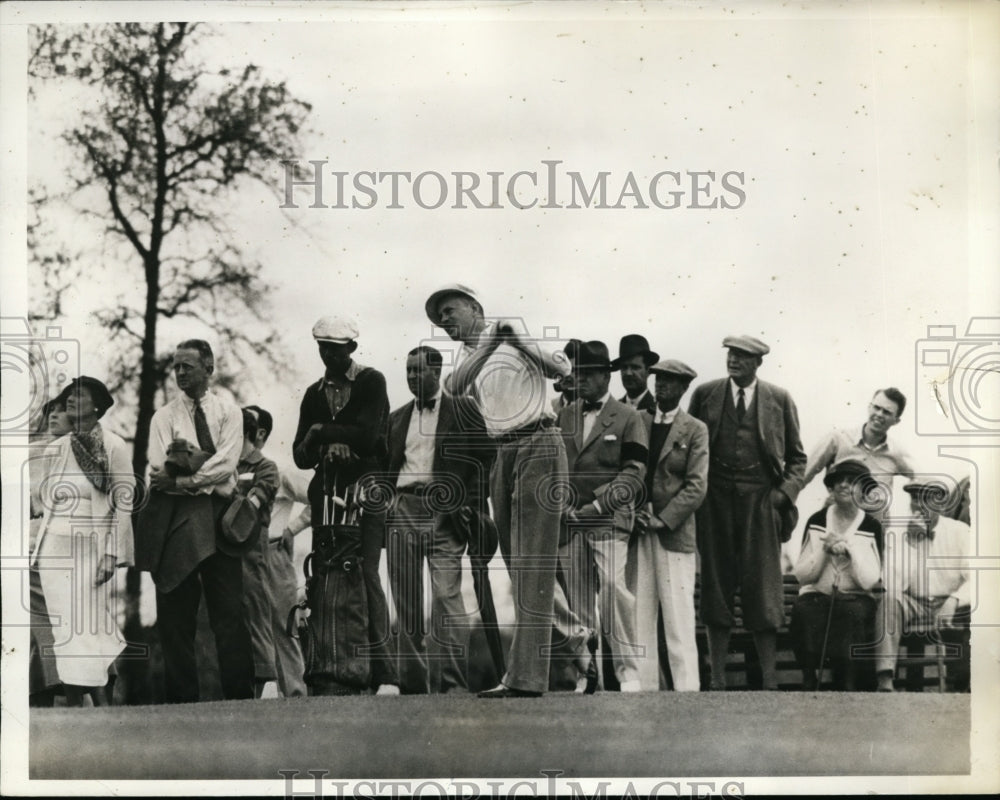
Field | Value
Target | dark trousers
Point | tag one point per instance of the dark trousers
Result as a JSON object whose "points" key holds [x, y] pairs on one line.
{"points": [[372, 537], [221, 578]]}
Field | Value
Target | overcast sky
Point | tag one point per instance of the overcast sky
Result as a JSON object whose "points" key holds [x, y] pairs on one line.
{"points": [[856, 139], [865, 135]]}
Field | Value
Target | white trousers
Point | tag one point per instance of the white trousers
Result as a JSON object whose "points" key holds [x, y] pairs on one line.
{"points": [[665, 579], [613, 606]]}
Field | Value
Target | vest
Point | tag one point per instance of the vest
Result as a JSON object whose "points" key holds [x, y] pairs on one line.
{"points": [[736, 452]]}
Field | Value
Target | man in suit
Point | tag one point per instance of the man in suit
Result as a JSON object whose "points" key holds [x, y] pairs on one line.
{"points": [[755, 473], [606, 453], [179, 538], [634, 360], [676, 482], [342, 430], [437, 449]]}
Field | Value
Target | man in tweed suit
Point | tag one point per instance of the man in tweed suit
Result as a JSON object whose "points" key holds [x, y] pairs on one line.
{"points": [[755, 473]]}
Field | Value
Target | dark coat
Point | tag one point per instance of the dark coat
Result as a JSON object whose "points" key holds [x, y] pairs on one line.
{"points": [[463, 453], [777, 423], [361, 425]]}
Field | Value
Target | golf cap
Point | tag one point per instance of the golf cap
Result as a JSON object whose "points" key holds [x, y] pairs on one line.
{"points": [[748, 344], [452, 288], [335, 329]]}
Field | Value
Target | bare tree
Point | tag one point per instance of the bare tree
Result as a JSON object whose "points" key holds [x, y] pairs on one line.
{"points": [[167, 142]]}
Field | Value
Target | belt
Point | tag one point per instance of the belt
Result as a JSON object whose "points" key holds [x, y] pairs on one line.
{"points": [[417, 489], [522, 433], [718, 462]]}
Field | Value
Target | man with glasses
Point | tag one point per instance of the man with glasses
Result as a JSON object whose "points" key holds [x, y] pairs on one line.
{"points": [[868, 443]]}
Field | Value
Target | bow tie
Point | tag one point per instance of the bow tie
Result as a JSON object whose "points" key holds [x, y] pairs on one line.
{"points": [[427, 405], [591, 405]]}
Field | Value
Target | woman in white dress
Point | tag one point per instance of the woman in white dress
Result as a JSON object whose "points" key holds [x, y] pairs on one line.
{"points": [[85, 494], [43, 679]]}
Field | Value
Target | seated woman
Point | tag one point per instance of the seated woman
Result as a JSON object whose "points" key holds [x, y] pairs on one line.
{"points": [[85, 493], [839, 565]]}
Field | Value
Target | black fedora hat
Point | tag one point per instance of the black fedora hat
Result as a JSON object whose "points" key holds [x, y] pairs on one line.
{"points": [[592, 355], [634, 344]]}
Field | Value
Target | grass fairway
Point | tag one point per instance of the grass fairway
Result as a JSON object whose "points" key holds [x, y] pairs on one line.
{"points": [[607, 735]]}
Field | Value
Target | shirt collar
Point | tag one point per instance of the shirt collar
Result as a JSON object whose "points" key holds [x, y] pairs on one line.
{"points": [[603, 401], [189, 401], [748, 391], [352, 373], [666, 418], [883, 445], [635, 403], [434, 398]]}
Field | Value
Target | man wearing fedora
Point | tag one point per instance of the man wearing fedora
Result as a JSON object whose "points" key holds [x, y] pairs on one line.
{"points": [[666, 561], [439, 460], [634, 360], [927, 580], [755, 472], [507, 372], [258, 481], [342, 432], [606, 454], [179, 536]]}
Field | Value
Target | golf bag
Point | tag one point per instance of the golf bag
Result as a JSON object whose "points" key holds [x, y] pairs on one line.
{"points": [[335, 638]]}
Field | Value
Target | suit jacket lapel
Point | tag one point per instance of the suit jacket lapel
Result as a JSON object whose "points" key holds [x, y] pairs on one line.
{"points": [[676, 430], [445, 425], [604, 419], [397, 437], [765, 411], [716, 400]]}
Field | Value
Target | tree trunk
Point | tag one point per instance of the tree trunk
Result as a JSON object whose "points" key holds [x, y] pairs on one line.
{"points": [[135, 670]]}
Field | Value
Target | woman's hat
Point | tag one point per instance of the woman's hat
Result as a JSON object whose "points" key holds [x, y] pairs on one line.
{"points": [[98, 392], [850, 468]]}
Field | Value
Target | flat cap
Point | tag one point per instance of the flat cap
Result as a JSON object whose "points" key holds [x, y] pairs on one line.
{"points": [[932, 492], [748, 344], [671, 366], [452, 288], [335, 329]]}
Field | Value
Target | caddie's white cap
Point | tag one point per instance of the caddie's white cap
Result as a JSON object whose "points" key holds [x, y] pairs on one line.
{"points": [[335, 329]]}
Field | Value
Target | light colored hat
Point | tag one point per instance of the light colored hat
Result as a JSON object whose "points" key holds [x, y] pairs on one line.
{"points": [[452, 288], [335, 329], [748, 344], [671, 366]]}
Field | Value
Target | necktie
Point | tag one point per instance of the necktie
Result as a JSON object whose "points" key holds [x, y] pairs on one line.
{"points": [[427, 405], [741, 406], [591, 405], [201, 429]]}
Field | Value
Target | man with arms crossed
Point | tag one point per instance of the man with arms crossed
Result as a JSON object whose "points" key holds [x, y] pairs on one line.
{"points": [[178, 529]]}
